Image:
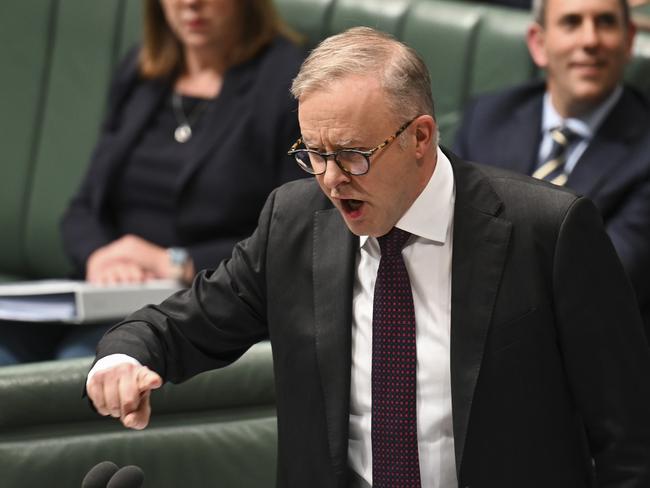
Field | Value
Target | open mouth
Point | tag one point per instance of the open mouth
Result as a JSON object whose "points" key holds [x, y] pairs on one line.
{"points": [[351, 206]]}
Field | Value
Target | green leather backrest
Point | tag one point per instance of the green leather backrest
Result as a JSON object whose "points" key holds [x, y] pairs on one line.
{"points": [[309, 17], [25, 31], [444, 33], [80, 68], [49, 393], [380, 14], [500, 57], [131, 31]]}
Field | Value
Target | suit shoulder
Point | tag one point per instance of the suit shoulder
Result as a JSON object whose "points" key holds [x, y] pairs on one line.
{"points": [[495, 116], [636, 98], [504, 181], [508, 98], [525, 197], [281, 60], [631, 113]]}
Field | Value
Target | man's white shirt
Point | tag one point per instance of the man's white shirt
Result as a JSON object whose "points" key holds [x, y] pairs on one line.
{"points": [[428, 260]]}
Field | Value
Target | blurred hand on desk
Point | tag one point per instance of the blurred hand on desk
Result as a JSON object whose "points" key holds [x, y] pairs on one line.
{"points": [[132, 259]]}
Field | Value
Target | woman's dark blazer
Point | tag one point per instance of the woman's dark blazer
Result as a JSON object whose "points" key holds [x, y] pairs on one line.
{"points": [[239, 157]]}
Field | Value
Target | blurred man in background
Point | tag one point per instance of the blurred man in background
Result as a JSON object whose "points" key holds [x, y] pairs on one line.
{"points": [[582, 127]]}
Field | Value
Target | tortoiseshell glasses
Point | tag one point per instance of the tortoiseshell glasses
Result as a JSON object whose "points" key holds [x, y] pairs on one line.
{"points": [[354, 162]]}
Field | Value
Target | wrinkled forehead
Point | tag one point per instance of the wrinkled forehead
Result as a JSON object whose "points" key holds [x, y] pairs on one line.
{"points": [[560, 8], [345, 113]]}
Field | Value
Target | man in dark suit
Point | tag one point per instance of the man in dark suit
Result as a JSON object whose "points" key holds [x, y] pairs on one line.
{"points": [[512, 361], [583, 45]]}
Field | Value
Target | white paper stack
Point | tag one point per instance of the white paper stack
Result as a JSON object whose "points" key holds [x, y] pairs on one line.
{"points": [[78, 301]]}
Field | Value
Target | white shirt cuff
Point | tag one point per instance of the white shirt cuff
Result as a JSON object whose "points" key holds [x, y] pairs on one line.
{"points": [[110, 361]]}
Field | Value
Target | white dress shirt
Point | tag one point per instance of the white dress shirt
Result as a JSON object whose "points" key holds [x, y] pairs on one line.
{"points": [[428, 260]]}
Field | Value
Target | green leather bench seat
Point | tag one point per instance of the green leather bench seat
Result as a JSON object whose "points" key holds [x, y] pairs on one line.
{"points": [[219, 426]]}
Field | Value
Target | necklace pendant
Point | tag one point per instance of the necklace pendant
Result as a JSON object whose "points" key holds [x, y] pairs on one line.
{"points": [[183, 133]]}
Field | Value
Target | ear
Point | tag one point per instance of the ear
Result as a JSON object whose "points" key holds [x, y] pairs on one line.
{"points": [[536, 41], [425, 132]]}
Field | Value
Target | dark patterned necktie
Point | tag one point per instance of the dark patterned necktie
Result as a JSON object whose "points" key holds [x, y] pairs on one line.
{"points": [[395, 462], [552, 169]]}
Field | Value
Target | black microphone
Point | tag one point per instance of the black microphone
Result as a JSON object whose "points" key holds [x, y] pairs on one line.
{"points": [[127, 477], [99, 475]]}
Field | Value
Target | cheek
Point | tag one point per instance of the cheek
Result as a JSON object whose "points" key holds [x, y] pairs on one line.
{"points": [[224, 11], [171, 16]]}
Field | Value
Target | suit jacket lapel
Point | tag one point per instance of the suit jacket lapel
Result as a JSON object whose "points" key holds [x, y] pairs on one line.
{"points": [[219, 118], [136, 114], [602, 158], [333, 271], [480, 246], [610, 147]]}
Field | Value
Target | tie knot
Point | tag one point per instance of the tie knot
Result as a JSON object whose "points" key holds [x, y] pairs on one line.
{"points": [[391, 244], [563, 136]]}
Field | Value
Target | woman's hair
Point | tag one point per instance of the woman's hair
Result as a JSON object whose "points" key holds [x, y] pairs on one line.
{"points": [[161, 54]]}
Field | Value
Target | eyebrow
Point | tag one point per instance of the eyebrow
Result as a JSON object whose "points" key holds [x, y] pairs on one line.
{"points": [[581, 15], [341, 144]]}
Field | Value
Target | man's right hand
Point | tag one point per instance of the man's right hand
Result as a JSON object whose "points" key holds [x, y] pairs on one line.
{"points": [[123, 392]]}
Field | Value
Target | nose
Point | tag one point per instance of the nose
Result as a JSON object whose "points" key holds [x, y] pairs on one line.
{"points": [[334, 176], [589, 34]]}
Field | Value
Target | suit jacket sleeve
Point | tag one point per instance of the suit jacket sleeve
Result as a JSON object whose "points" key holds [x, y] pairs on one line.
{"points": [[605, 354]]}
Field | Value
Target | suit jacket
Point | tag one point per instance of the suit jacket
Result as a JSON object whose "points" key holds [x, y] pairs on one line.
{"points": [[504, 130], [548, 363], [239, 157]]}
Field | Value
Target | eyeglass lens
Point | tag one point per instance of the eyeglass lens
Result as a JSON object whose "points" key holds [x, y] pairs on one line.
{"points": [[351, 161]]}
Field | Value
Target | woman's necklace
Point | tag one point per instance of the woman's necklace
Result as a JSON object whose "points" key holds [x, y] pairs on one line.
{"points": [[183, 131]]}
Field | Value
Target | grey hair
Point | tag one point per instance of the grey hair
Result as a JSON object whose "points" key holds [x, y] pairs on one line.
{"points": [[364, 51], [538, 10]]}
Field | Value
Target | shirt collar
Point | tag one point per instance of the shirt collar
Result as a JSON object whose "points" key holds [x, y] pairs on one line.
{"points": [[587, 124], [430, 214]]}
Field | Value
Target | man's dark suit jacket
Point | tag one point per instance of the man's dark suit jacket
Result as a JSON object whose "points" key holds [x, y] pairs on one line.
{"points": [[504, 130], [240, 156], [549, 366]]}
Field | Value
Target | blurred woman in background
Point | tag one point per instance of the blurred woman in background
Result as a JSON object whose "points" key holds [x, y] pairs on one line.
{"points": [[198, 121], [195, 139]]}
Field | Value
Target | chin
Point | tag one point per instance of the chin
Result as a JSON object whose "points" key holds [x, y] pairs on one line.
{"points": [[587, 99], [593, 91], [356, 229]]}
